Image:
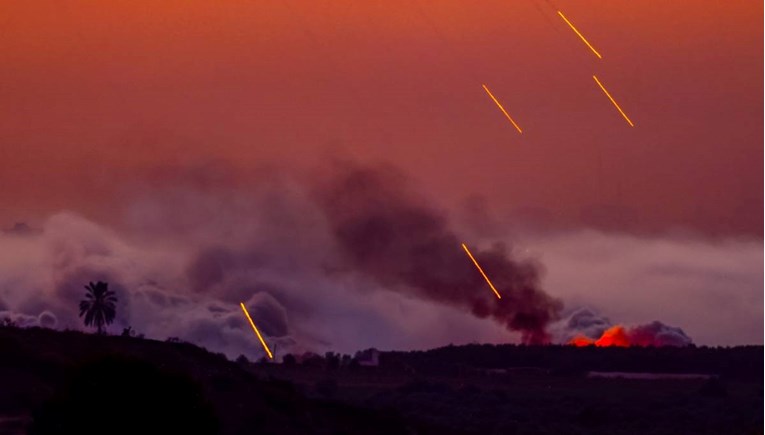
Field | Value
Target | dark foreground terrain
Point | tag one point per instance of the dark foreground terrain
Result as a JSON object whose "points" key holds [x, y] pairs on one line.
{"points": [[73, 383]]}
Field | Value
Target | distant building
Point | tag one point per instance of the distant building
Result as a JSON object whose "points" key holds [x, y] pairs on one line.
{"points": [[368, 358]]}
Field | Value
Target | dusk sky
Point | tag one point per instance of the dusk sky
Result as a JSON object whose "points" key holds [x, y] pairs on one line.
{"points": [[106, 104], [94, 96]]}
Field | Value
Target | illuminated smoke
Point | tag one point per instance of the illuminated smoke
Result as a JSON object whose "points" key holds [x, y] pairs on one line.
{"points": [[654, 334], [188, 255], [46, 319], [580, 323]]}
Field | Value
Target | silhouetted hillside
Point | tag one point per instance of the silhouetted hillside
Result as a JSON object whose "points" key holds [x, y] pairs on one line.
{"points": [[68, 382], [741, 362]]}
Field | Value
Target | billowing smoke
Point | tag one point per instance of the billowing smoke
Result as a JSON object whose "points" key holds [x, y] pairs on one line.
{"points": [[304, 257], [388, 233], [354, 261], [46, 319], [580, 322], [163, 292], [657, 334], [584, 327]]}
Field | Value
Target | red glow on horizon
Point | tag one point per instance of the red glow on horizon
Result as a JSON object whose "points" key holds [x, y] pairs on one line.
{"points": [[581, 341], [613, 336]]}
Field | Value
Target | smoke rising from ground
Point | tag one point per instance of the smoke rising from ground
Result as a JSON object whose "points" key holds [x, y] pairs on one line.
{"points": [[355, 261], [583, 327], [389, 234], [713, 289]]}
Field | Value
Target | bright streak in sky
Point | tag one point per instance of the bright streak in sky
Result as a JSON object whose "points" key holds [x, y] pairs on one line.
{"points": [[580, 35], [613, 101], [481, 270], [502, 109], [254, 328]]}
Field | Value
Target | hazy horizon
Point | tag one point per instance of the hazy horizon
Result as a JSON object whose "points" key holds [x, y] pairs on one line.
{"points": [[176, 150]]}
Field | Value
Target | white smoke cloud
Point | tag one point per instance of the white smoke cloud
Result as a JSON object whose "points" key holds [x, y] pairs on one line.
{"points": [[186, 256], [713, 290], [584, 322], [191, 289], [580, 322]]}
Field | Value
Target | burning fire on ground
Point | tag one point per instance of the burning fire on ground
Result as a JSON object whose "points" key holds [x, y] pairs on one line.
{"points": [[653, 334], [614, 336]]}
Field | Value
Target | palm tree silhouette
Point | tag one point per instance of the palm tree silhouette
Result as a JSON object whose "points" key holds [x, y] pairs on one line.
{"points": [[98, 305]]}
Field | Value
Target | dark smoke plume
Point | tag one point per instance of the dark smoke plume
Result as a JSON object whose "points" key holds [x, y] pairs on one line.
{"points": [[354, 260], [393, 236]]}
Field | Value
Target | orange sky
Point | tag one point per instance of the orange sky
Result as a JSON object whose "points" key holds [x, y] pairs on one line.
{"points": [[95, 96]]}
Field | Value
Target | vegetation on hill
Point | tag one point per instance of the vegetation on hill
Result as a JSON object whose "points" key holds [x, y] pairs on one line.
{"points": [[99, 306], [65, 382], [740, 362], [58, 382]]}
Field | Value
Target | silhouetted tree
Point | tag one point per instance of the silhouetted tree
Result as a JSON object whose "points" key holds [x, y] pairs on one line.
{"points": [[98, 307], [289, 360], [333, 360], [312, 361], [345, 361]]}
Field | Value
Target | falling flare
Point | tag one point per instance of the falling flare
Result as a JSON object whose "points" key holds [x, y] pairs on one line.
{"points": [[481, 270], [503, 111], [580, 35], [613, 101], [254, 328]]}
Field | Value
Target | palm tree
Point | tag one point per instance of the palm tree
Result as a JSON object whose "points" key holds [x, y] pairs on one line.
{"points": [[98, 305]]}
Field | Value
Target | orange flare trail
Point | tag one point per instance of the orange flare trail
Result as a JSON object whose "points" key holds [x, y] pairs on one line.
{"points": [[502, 109], [254, 328], [580, 35], [613, 101], [481, 270]]}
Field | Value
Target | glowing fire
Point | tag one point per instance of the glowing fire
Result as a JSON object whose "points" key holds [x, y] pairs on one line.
{"points": [[581, 341], [614, 336], [654, 334]]}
